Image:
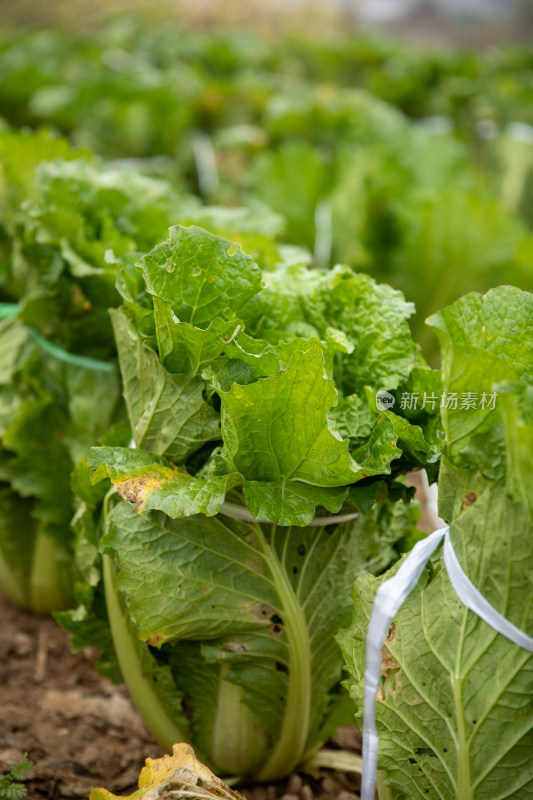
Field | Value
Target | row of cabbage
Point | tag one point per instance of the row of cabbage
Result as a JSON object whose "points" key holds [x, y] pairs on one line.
{"points": [[303, 128], [203, 472]]}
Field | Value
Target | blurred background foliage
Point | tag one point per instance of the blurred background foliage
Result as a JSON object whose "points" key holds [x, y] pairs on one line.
{"points": [[410, 162]]}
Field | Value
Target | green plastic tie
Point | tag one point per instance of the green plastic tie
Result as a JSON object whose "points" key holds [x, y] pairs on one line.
{"points": [[8, 310], [11, 309], [69, 358]]}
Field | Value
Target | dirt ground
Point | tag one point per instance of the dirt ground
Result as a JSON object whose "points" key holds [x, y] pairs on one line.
{"points": [[80, 731]]}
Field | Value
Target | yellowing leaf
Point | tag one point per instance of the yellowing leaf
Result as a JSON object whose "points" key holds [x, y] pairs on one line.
{"points": [[174, 777]]}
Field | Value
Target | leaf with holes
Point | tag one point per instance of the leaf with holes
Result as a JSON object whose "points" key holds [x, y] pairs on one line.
{"points": [[202, 275]]}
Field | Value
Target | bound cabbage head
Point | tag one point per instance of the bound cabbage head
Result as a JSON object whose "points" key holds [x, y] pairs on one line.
{"points": [[264, 479]]}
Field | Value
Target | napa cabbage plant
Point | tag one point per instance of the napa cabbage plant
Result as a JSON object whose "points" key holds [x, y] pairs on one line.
{"points": [[265, 477], [67, 222], [454, 713]]}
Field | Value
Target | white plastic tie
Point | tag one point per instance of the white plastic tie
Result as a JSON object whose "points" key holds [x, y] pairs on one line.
{"points": [[474, 600], [387, 602]]}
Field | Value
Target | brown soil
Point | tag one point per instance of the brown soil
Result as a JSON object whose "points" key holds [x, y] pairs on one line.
{"points": [[80, 731]]}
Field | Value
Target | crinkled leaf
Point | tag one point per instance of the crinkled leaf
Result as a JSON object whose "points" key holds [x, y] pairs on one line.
{"points": [[379, 350], [411, 440], [217, 351], [277, 429], [184, 348], [374, 317], [167, 412], [485, 339], [353, 418], [202, 275]]}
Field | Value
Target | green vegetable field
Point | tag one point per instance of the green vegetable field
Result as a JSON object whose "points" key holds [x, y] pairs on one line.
{"points": [[266, 414]]}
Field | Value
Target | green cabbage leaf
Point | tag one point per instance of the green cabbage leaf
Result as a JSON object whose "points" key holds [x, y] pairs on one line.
{"points": [[454, 710], [259, 385]]}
